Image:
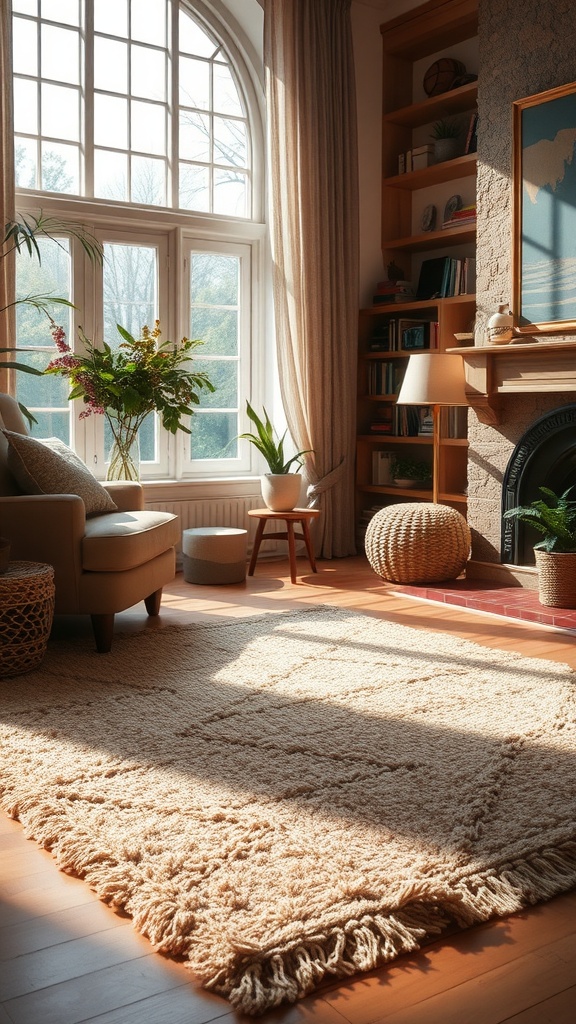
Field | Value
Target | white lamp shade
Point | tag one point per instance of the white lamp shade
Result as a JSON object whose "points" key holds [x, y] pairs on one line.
{"points": [[433, 378]]}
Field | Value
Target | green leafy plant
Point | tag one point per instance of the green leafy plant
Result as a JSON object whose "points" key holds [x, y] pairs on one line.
{"points": [[407, 468], [270, 445], [554, 516], [445, 128]]}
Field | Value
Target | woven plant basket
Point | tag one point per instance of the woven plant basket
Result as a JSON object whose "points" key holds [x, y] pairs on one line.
{"points": [[418, 542], [556, 578], [26, 613]]}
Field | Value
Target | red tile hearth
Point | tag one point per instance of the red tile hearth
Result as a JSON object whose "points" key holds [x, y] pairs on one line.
{"points": [[510, 602]]}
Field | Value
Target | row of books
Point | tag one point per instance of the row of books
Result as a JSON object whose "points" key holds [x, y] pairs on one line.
{"points": [[454, 421], [404, 335], [465, 215], [445, 276], [385, 378], [402, 421]]}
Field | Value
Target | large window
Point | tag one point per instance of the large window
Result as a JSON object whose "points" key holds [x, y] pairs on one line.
{"points": [[137, 120]]}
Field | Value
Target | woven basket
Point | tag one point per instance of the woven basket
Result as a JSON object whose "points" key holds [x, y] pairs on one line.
{"points": [[418, 542], [26, 613], [556, 578]]}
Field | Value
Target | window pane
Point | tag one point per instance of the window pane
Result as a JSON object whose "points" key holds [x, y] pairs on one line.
{"points": [[130, 289], [60, 168], [110, 175], [25, 160], [149, 22], [229, 142], [214, 435], [25, 7], [110, 65], [111, 16], [148, 127], [148, 73], [25, 106], [214, 279], [25, 43], [226, 99], [148, 181], [194, 136], [110, 121], [194, 188], [224, 375], [60, 48], [66, 11], [193, 39], [60, 112], [217, 329], [230, 193], [194, 83]]}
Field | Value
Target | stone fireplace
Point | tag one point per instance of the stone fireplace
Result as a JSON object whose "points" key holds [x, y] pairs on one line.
{"points": [[522, 435]]}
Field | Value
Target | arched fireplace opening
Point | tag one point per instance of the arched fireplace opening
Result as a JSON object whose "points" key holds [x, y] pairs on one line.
{"points": [[545, 456]]}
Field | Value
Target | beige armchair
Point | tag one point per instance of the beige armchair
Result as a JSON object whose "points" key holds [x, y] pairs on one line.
{"points": [[103, 563]]}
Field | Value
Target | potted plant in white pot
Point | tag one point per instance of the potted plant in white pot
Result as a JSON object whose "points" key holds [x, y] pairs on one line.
{"points": [[554, 516], [446, 134], [280, 486]]}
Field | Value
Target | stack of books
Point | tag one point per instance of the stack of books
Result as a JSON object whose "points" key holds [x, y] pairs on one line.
{"points": [[465, 215]]}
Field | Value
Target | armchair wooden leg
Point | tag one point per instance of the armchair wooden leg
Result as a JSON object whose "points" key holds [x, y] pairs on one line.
{"points": [[153, 602], [103, 629]]}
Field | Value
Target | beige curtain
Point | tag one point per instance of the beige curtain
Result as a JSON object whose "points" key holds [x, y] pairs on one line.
{"points": [[312, 160], [6, 176]]}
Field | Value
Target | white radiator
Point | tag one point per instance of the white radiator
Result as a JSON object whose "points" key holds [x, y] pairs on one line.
{"points": [[229, 511]]}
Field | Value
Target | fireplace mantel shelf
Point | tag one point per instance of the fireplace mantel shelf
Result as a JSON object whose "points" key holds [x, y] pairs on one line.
{"points": [[493, 371]]}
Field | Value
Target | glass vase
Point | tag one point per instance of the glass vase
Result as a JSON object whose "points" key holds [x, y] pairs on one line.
{"points": [[124, 456]]}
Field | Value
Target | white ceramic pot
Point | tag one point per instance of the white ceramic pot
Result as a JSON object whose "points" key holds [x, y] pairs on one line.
{"points": [[281, 491], [501, 326]]}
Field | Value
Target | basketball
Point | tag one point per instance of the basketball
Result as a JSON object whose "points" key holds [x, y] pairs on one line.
{"points": [[441, 75]]}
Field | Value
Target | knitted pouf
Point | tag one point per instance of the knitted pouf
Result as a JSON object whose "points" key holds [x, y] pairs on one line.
{"points": [[417, 542]]}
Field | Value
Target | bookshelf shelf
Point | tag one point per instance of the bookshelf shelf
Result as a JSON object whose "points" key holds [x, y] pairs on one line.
{"points": [[423, 32]]}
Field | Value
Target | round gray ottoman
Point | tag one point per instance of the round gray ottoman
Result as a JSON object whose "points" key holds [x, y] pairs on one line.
{"points": [[214, 554]]}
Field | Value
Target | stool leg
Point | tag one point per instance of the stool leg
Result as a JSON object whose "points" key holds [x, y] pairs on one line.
{"points": [[291, 549], [308, 541], [256, 548]]}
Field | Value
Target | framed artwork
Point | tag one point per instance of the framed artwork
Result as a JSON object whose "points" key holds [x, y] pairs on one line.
{"points": [[544, 211]]}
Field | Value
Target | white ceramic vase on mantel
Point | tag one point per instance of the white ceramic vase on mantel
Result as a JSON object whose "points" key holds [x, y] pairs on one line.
{"points": [[281, 491]]}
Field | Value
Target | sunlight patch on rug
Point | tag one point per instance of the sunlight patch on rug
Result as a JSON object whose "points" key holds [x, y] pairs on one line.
{"points": [[296, 797]]}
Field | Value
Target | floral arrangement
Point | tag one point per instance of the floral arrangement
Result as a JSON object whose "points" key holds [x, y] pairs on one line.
{"points": [[125, 384]]}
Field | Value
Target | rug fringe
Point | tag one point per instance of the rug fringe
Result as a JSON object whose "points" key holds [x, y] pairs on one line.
{"points": [[256, 985]]}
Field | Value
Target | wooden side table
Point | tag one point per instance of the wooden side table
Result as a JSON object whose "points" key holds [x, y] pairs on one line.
{"points": [[304, 516], [26, 613]]}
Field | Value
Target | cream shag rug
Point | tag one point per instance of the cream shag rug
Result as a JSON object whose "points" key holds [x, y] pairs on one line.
{"points": [[295, 797]]}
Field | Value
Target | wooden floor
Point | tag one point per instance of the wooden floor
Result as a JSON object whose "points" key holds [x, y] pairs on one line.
{"points": [[66, 958]]}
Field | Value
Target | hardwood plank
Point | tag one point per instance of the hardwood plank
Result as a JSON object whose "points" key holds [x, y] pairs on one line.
{"points": [[180, 1006], [559, 1009], [495, 996], [53, 929]]}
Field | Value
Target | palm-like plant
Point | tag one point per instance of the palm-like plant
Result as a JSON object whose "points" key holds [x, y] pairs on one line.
{"points": [[270, 445], [554, 516]]}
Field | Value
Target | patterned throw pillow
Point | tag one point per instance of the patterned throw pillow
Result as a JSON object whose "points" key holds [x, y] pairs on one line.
{"points": [[48, 466]]}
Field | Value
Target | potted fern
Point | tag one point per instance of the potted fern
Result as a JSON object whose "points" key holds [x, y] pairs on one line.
{"points": [[446, 134], [554, 516], [280, 486]]}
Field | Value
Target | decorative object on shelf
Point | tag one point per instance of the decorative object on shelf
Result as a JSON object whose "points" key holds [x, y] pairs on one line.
{"points": [[418, 542], [281, 486], [428, 222], [453, 204], [422, 157], [128, 383], [543, 188], [554, 516], [393, 291], [501, 326], [395, 273], [434, 379], [446, 133], [442, 75]]}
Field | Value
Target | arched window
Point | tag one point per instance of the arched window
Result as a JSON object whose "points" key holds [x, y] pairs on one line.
{"points": [[139, 120]]}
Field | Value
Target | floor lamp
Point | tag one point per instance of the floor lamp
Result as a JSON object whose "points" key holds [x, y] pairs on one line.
{"points": [[434, 379]]}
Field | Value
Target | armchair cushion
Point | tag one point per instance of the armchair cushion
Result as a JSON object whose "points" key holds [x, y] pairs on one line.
{"points": [[125, 540], [49, 466]]}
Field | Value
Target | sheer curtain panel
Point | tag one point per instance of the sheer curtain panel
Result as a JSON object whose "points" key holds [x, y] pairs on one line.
{"points": [[312, 160]]}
